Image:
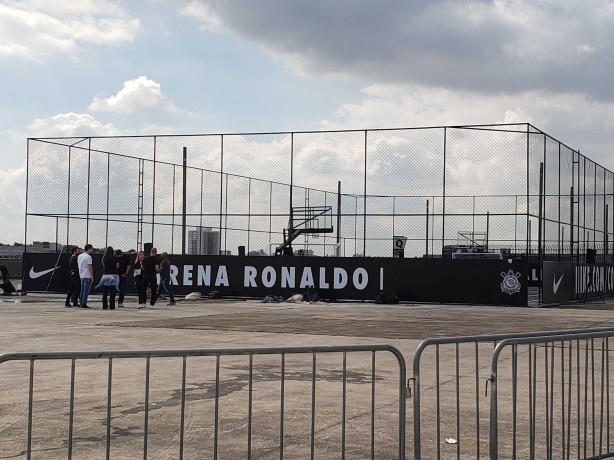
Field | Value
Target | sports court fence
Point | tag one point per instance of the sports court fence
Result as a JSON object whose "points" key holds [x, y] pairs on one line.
{"points": [[458, 188]]}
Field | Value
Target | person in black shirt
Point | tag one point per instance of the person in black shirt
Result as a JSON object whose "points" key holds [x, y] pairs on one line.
{"points": [[75, 282], [6, 286], [124, 269], [150, 267], [110, 279], [165, 279]]}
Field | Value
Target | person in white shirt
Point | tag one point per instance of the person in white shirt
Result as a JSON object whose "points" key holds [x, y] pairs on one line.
{"points": [[86, 273]]}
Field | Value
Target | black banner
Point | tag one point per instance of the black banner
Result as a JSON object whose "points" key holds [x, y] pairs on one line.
{"points": [[497, 282], [559, 282], [594, 279]]}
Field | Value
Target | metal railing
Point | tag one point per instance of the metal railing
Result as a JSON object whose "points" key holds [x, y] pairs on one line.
{"points": [[564, 410], [278, 421], [459, 408], [550, 398]]}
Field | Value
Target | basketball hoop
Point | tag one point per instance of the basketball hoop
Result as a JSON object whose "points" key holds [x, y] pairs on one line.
{"points": [[315, 236]]}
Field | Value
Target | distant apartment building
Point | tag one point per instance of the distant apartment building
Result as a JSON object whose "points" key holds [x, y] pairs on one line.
{"points": [[16, 251], [12, 255], [11, 252], [204, 241]]}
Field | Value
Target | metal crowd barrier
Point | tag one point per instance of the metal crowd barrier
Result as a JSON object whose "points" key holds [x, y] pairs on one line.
{"points": [[309, 380], [549, 398], [560, 404], [454, 422]]}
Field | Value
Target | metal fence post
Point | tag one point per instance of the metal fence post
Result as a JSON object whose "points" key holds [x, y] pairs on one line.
{"points": [[443, 211], [364, 208], [184, 248]]}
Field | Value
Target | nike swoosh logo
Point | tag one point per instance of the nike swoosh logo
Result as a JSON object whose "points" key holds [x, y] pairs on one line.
{"points": [[555, 283], [35, 275]]}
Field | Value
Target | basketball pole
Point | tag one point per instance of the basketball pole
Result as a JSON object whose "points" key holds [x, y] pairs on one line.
{"points": [[337, 252], [184, 239], [427, 229], [57, 264]]}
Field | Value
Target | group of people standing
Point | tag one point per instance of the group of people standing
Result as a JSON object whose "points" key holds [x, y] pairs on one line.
{"points": [[116, 268], [145, 270]]}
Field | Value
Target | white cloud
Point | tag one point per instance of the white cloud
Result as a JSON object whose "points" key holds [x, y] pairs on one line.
{"points": [[203, 12], [138, 94], [561, 116], [38, 29], [389, 106], [68, 125], [12, 191], [586, 48], [83, 124], [153, 130]]}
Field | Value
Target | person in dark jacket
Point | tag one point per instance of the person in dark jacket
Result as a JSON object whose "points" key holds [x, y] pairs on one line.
{"points": [[165, 279], [124, 270], [6, 286], [150, 268], [72, 297], [110, 279]]}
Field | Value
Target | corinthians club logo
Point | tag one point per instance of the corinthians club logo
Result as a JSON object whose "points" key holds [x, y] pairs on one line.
{"points": [[510, 283]]}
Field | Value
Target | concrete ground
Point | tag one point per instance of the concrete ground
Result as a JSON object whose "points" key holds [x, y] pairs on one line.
{"points": [[38, 323]]}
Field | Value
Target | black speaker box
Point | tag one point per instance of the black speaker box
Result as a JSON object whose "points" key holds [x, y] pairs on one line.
{"points": [[147, 248], [591, 254]]}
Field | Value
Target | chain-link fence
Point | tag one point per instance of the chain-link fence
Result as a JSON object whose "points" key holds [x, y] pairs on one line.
{"points": [[509, 188]]}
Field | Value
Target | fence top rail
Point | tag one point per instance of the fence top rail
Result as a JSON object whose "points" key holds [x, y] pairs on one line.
{"points": [[549, 338], [501, 127], [499, 338], [56, 355]]}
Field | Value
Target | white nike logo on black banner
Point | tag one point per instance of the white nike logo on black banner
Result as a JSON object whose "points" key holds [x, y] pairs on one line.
{"points": [[35, 275], [555, 283]]}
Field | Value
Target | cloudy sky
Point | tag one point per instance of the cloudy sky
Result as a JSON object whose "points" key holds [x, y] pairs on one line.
{"points": [[100, 67]]}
